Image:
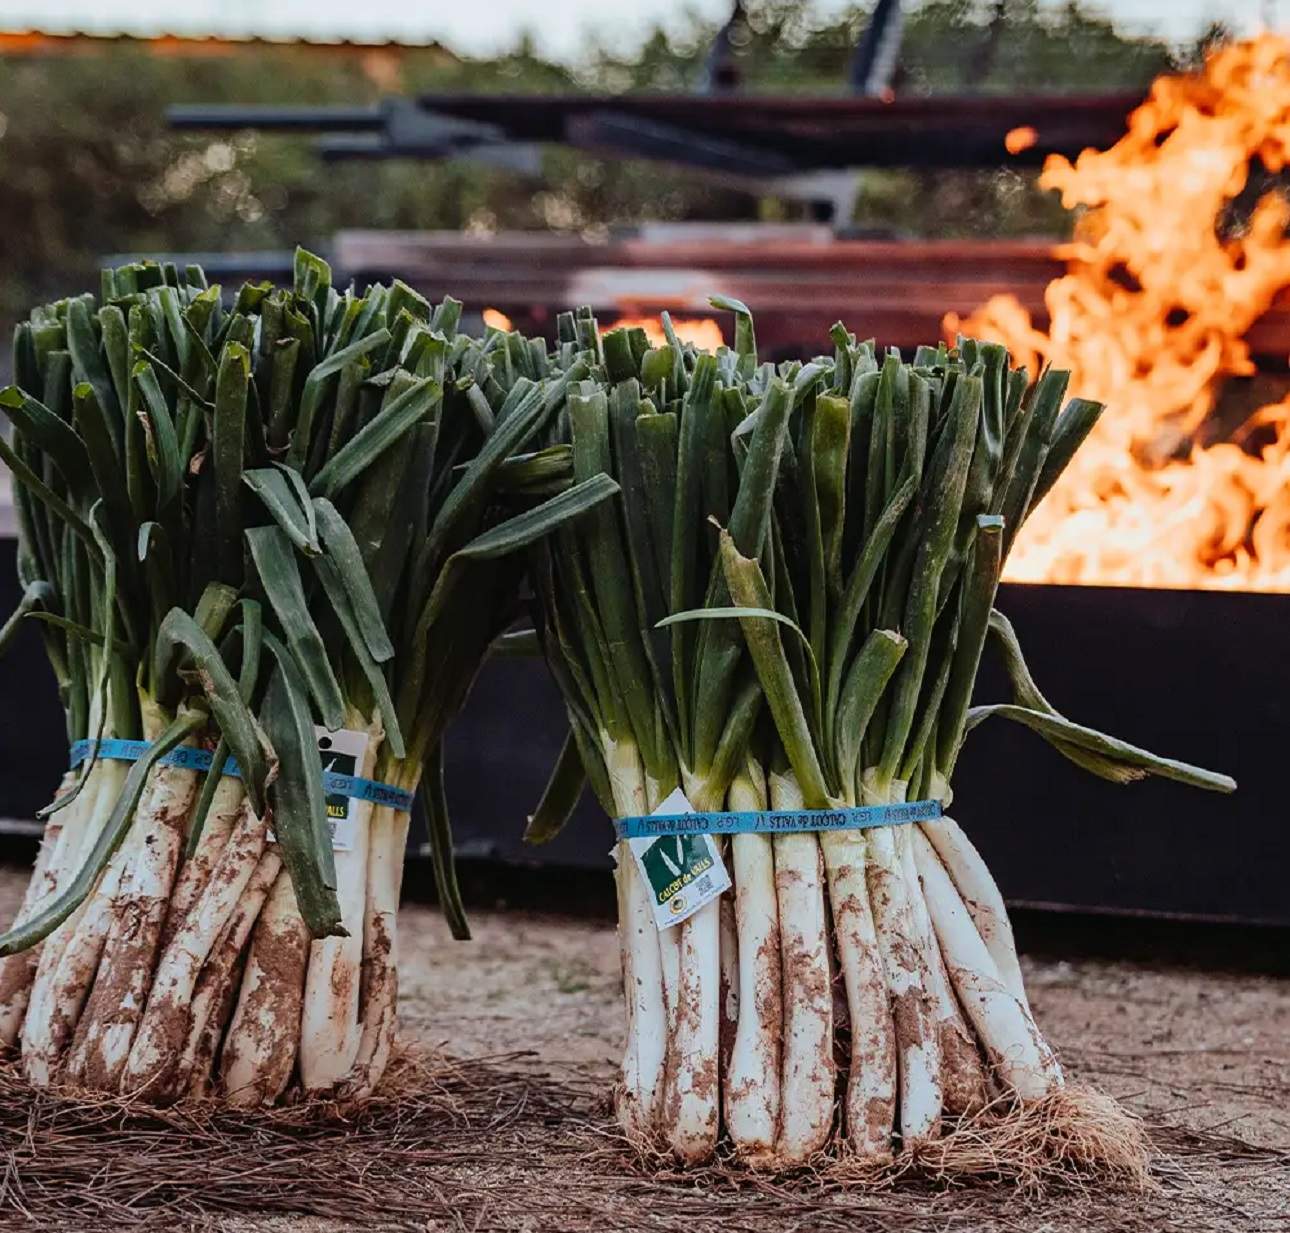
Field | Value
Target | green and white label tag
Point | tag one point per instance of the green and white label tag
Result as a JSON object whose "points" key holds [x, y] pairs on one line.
{"points": [[683, 872], [342, 752]]}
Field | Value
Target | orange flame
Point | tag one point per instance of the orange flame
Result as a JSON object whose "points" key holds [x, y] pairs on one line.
{"points": [[496, 319], [1015, 140], [701, 331], [1150, 316]]}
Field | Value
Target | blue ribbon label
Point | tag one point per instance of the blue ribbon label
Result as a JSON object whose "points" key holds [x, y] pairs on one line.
{"points": [[341, 753], [683, 871], [666, 821]]}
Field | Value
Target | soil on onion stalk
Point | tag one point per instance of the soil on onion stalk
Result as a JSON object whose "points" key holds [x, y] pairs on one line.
{"points": [[484, 1137]]}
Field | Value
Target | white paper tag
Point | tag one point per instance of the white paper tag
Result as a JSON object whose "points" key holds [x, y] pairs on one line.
{"points": [[683, 872], [343, 752]]}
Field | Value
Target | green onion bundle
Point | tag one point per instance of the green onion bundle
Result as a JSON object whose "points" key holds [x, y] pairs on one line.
{"points": [[787, 609], [291, 522]]}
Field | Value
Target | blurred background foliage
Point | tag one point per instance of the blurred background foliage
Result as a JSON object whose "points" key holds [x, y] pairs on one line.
{"points": [[88, 167]]}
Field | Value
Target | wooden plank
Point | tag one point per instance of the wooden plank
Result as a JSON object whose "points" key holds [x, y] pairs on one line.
{"points": [[798, 280], [422, 253]]}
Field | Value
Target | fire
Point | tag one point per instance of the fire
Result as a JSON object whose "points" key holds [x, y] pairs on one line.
{"points": [[1015, 140], [496, 319], [1162, 281], [701, 331]]}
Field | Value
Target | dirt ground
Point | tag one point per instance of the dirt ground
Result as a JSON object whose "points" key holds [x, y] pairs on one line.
{"points": [[1202, 1055]]}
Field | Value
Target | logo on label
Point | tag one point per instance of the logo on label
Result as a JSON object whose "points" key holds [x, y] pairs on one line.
{"points": [[341, 764], [683, 872], [341, 752]]}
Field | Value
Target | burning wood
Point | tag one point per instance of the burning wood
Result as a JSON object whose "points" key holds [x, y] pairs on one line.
{"points": [[703, 332], [1151, 315]]}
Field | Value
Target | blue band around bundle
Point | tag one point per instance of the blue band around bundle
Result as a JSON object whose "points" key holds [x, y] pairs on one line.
{"points": [[191, 758], [777, 821]]}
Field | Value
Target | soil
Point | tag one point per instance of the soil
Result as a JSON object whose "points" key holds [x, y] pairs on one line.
{"points": [[1201, 1053]]}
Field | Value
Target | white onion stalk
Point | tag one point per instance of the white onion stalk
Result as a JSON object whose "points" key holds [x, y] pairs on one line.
{"points": [[917, 1044], [163, 1029], [645, 1044], [965, 1080], [75, 828], [692, 1100], [195, 872], [981, 897], [217, 985], [809, 1072], [380, 985], [112, 1014], [1012, 1042], [261, 1043], [330, 1030], [18, 971], [964, 1083], [69, 957], [692, 1093], [871, 1079], [984, 902], [752, 1080], [645, 1049]]}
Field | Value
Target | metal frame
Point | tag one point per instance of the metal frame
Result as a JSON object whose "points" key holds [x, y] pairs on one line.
{"points": [[790, 147], [797, 148]]}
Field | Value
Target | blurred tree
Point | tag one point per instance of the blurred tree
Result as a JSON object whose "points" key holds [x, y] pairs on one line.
{"points": [[88, 167]]}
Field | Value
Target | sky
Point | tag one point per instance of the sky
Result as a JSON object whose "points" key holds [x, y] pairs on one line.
{"points": [[559, 26]]}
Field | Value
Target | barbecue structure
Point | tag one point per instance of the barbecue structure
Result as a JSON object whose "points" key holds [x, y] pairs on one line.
{"points": [[800, 279]]}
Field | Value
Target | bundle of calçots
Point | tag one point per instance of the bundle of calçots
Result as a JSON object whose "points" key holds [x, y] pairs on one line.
{"points": [[240, 529], [786, 609]]}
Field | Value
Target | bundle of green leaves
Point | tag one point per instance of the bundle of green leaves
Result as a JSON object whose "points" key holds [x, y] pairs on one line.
{"points": [[786, 607], [264, 527]]}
